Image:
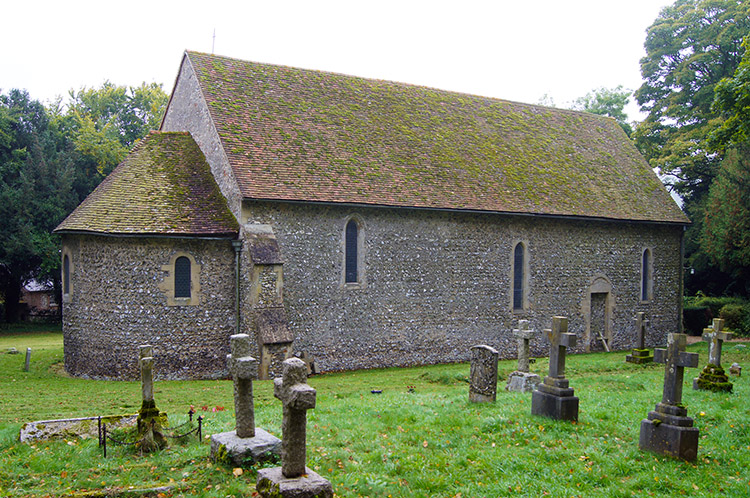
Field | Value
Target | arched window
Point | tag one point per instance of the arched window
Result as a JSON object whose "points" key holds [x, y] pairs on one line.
{"points": [[182, 277], [646, 275], [518, 276], [351, 273], [66, 274]]}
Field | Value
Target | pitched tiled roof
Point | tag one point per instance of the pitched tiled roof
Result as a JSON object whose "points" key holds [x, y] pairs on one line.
{"points": [[301, 135], [163, 187]]}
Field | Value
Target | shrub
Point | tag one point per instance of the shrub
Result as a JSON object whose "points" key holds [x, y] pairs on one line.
{"points": [[737, 318], [695, 319], [716, 303]]}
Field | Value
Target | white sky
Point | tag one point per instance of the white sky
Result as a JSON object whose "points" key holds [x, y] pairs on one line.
{"points": [[512, 50]]}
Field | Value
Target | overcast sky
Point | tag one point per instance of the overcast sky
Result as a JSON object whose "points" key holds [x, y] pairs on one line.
{"points": [[512, 50]]}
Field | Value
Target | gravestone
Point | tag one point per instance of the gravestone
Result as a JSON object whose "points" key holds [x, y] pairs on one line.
{"points": [[640, 354], [554, 397], [522, 380], [149, 421], [293, 478], [28, 360], [483, 374], [668, 430], [735, 369], [246, 444], [712, 377]]}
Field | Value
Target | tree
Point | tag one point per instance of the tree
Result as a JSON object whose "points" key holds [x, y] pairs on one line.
{"points": [[105, 123], [35, 195], [50, 160], [607, 102], [726, 227], [690, 47], [732, 101]]}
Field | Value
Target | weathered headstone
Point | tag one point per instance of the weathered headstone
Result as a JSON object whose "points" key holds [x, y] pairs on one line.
{"points": [[735, 369], [246, 444], [554, 398], [712, 377], [149, 419], [668, 430], [640, 354], [28, 360], [522, 380], [483, 374], [293, 478]]}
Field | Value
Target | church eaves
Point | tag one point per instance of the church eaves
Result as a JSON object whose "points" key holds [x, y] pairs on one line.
{"points": [[301, 135], [163, 188]]}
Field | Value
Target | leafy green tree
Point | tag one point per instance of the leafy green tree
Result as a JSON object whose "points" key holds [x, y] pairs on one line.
{"points": [[104, 123], [690, 47], [35, 194], [726, 226], [607, 102], [732, 101]]}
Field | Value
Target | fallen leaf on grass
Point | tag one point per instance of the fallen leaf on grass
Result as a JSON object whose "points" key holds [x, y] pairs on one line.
{"points": [[424, 443], [237, 472]]}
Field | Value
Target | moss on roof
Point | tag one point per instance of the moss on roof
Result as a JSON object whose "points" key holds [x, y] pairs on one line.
{"points": [[163, 187], [294, 134]]}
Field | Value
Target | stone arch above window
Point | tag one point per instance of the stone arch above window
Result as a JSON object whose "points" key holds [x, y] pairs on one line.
{"points": [[181, 284], [519, 276], [353, 275], [647, 274], [67, 275]]}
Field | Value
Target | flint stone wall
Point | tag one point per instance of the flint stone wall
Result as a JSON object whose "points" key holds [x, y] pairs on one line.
{"points": [[116, 305], [437, 283]]}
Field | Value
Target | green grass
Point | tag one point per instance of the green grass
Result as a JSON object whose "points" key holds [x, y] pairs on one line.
{"points": [[427, 443]]}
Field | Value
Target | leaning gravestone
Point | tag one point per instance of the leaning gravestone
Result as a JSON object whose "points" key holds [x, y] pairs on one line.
{"points": [[668, 430], [483, 374], [246, 444], [149, 419], [293, 478], [522, 380], [712, 377], [640, 354], [554, 398]]}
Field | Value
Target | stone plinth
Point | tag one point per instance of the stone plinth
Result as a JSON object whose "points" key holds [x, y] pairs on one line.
{"points": [[639, 356], [671, 435], [227, 447], [272, 483], [522, 382]]}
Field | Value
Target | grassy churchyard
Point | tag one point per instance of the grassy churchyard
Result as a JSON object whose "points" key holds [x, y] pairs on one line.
{"points": [[419, 437]]}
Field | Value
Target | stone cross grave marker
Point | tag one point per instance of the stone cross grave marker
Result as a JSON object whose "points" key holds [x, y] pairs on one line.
{"points": [[244, 368], [523, 334], [296, 397], [293, 479], [247, 444], [668, 430], [713, 377], [715, 336], [522, 380], [554, 398], [148, 421], [559, 341], [483, 374], [640, 354]]}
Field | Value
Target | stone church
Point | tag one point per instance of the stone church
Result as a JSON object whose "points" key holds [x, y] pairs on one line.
{"points": [[362, 223]]}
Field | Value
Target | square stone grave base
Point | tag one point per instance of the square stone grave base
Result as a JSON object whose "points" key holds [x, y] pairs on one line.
{"points": [[522, 382], [677, 441], [554, 406], [272, 483], [229, 448], [639, 356]]}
